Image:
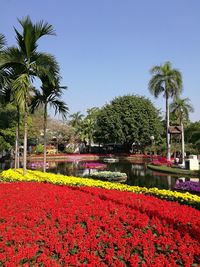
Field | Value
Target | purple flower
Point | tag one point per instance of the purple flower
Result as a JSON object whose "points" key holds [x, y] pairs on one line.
{"points": [[188, 186]]}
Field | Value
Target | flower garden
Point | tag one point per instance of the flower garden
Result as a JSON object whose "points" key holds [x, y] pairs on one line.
{"points": [[94, 165], [188, 186], [70, 221]]}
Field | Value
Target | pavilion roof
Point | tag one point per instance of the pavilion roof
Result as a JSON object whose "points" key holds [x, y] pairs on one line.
{"points": [[175, 129]]}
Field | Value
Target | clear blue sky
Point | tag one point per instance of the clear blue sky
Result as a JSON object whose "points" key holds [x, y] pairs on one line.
{"points": [[105, 48]]}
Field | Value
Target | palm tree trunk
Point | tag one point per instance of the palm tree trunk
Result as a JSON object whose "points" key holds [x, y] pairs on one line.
{"points": [[16, 147], [18, 156], [18, 123], [45, 141], [17, 142], [182, 145], [167, 129], [25, 140]]}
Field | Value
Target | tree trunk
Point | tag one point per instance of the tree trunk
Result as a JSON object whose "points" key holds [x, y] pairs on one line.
{"points": [[175, 143], [45, 141], [167, 129], [182, 145], [18, 125], [17, 142], [25, 140], [16, 147], [89, 146], [18, 156]]}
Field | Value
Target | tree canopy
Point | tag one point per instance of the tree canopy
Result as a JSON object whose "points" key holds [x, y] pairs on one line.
{"points": [[128, 119]]}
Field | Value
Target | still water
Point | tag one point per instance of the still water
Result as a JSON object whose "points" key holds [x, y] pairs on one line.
{"points": [[138, 174]]}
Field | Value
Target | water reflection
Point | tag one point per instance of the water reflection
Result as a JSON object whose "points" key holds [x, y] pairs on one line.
{"points": [[138, 174]]}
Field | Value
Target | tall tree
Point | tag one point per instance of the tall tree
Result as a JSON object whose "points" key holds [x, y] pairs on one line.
{"points": [[50, 95], [3, 73], [181, 109], [88, 126], [2, 41], [128, 119], [168, 81], [7, 97], [29, 63], [76, 119]]}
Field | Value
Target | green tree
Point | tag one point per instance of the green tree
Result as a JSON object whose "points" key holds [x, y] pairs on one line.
{"points": [[168, 81], [6, 98], [7, 126], [29, 64], [181, 109], [50, 95], [88, 126], [128, 119], [3, 73], [76, 119], [2, 41], [192, 136]]}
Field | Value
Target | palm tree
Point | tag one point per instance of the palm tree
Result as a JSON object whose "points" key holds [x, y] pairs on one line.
{"points": [[3, 73], [6, 95], [87, 131], [168, 81], [76, 119], [50, 95], [29, 64], [6, 98], [2, 41], [88, 126], [181, 109]]}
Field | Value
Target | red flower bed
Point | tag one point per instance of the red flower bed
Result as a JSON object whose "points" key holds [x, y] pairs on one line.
{"points": [[161, 161], [94, 165], [49, 225]]}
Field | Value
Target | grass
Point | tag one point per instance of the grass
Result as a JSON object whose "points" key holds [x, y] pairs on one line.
{"points": [[173, 170]]}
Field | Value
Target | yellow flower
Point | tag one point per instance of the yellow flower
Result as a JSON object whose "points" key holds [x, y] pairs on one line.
{"points": [[11, 175]]}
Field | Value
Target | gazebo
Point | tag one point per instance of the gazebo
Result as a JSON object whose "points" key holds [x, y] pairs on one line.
{"points": [[175, 131]]}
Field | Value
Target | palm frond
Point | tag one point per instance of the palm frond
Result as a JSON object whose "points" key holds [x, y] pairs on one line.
{"points": [[11, 57], [36, 101], [2, 41], [20, 41], [43, 28], [156, 85], [60, 107], [21, 86], [181, 108], [165, 79], [45, 65]]}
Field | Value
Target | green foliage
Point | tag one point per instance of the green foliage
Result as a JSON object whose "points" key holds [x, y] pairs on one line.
{"points": [[128, 119], [39, 149], [165, 80], [180, 109], [192, 136], [7, 127], [88, 125], [69, 150]]}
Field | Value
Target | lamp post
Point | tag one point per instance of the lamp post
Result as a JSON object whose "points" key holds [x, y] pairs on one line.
{"points": [[152, 143], [182, 139]]}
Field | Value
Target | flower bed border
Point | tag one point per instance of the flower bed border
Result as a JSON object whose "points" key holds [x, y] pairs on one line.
{"points": [[183, 198]]}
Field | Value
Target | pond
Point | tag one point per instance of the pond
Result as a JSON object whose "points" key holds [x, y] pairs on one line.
{"points": [[138, 174]]}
